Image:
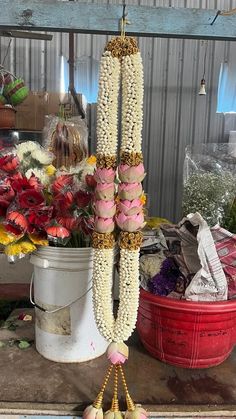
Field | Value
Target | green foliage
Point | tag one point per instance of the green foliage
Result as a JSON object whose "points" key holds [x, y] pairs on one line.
{"points": [[229, 218]]}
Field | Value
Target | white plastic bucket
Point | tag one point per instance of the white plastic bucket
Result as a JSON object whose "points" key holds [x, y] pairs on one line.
{"points": [[63, 278]]}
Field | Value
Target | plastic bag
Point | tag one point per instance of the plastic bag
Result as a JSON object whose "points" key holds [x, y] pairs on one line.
{"points": [[66, 139], [210, 181], [225, 243], [191, 244], [209, 283]]}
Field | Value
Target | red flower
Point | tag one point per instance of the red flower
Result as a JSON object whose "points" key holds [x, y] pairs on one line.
{"points": [[90, 181], [16, 176], [58, 232], [63, 201], [62, 183], [71, 223], [4, 204], [86, 224], [16, 223], [6, 191], [9, 163], [83, 198], [30, 199], [21, 184], [38, 218], [35, 183]]}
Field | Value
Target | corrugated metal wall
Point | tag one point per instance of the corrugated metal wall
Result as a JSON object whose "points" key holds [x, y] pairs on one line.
{"points": [[174, 114]]}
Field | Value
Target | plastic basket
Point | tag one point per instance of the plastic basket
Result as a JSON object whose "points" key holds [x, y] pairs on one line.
{"points": [[187, 334], [7, 117], [16, 92]]}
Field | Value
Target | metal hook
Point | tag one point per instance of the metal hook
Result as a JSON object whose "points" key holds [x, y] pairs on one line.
{"points": [[123, 20], [216, 16], [124, 14]]}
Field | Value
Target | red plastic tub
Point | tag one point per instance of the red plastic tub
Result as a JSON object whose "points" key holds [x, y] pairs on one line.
{"points": [[187, 334]]}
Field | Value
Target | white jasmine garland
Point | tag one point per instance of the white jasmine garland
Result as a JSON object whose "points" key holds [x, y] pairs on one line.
{"points": [[102, 291], [119, 329], [132, 103], [128, 294], [107, 108]]}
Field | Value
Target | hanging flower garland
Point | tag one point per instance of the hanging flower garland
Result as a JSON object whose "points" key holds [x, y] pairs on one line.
{"points": [[121, 64]]}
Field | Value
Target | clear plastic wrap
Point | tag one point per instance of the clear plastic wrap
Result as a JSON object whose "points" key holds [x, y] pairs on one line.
{"points": [[66, 139], [210, 181]]}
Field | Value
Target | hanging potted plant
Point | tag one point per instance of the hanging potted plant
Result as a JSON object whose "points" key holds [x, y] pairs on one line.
{"points": [[48, 213]]}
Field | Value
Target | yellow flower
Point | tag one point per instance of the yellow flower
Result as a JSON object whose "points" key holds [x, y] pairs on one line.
{"points": [[37, 240], [91, 160], [13, 249], [143, 199], [155, 222], [19, 248], [5, 237], [27, 247], [50, 170]]}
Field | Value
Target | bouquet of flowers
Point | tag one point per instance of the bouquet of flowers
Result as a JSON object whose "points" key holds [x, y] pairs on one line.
{"points": [[40, 205]]}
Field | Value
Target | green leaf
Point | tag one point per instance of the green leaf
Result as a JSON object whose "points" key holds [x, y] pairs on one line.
{"points": [[23, 344], [12, 326], [2, 344]]}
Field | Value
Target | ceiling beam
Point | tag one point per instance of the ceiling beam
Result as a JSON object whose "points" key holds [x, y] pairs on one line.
{"points": [[26, 35], [66, 16]]}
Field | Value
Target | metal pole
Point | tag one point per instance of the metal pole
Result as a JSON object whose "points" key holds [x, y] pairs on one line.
{"points": [[72, 73]]}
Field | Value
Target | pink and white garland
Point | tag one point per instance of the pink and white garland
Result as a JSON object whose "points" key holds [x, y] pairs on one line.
{"points": [[121, 64], [128, 210]]}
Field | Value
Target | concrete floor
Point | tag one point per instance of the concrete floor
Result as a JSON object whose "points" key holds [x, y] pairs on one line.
{"points": [[30, 383]]}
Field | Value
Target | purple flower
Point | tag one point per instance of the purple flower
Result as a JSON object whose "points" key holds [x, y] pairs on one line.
{"points": [[165, 281], [169, 268]]}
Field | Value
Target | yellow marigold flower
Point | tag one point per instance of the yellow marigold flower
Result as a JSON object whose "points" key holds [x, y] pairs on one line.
{"points": [[50, 170], [27, 247], [38, 240], [143, 199], [155, 222], [5, 237], [13, 249], [91, 160]]}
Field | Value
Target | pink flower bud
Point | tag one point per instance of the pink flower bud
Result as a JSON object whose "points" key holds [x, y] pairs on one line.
{"points": [[130, 207], [105, 209], [131, 174], [105, 191], [137, 413], [117, 353], [129, 191], [130, 223], [104, 225], [92, 413], [104, 175]]}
